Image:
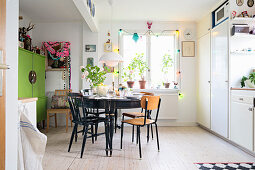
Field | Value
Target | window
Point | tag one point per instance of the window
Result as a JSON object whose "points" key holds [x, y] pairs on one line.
{"points": [[153, 48]]}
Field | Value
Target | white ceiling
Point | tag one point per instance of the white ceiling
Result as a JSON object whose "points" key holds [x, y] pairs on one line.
{"points": [[50, 10], [154, 10], [124, 10]]}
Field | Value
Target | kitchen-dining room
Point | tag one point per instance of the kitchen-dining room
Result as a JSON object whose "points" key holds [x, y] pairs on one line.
{"points": [[127, 84]]}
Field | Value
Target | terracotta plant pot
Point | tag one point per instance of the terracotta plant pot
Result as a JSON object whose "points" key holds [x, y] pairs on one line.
{"points": [[166, 85], [142, 84], [130, 84]]}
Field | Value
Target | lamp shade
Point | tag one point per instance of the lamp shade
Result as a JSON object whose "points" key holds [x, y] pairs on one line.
{"points": [[111, 59]]}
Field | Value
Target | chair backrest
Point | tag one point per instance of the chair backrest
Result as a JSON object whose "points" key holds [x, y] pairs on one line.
{"points": [[62, 92], [147, 93], [76, 101], [149, 103]]}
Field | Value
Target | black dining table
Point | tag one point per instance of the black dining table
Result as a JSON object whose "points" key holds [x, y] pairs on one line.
{"points": [[111, 105]]}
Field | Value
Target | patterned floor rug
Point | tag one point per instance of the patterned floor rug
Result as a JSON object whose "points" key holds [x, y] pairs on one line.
{"points": [[226, 166]]}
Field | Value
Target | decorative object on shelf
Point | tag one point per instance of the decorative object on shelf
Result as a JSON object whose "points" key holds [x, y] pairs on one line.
{"points": [[93, 74], [90, 48], [90, 61], [239, 2], [240, 29], [175, 85], [59, 57], [36, 50], [188, 48], [107, 47], [188, 35], [250, 3], [234, 14], [244, 14], [21, 44], [24, 37], [167, 64]]}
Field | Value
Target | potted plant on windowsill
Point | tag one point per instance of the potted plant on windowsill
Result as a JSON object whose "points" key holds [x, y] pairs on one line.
{"points": [[128, 75], [141, 66], [167, 64]]}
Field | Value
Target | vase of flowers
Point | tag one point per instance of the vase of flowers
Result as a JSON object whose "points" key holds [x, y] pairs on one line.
{"points": [[167, 63], [94, 75]]}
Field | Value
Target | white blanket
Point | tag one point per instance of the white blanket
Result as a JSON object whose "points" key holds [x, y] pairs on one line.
{"points": [[31, 144]]}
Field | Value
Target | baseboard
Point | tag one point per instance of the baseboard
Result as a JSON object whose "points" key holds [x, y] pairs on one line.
{"points": [[175, 123], [227, 140]]}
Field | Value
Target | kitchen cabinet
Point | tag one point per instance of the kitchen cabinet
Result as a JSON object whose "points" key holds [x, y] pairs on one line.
{"points": [[29, 61], [204, 26], [204, 79], [220, 79], [241, 120]]}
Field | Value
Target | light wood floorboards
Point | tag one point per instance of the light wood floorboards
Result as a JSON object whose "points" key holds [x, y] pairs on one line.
{"points": [[180, 148]]}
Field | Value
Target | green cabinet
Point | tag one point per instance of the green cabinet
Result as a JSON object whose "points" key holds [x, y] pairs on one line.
{"points": [[29, 61]]}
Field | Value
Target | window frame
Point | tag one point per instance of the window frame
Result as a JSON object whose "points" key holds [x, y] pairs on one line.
{"points": [[148, 57]]}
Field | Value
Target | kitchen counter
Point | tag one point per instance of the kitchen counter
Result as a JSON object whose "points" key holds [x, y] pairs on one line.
{"points": [[27, 100]]}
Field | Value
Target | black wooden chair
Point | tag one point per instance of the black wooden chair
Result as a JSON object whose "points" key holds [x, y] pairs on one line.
{"points": [[148, 103], [76, 103]]}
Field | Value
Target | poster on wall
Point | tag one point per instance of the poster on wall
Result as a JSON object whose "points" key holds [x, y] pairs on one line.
{"points": [[188, 48], [90, 48]]}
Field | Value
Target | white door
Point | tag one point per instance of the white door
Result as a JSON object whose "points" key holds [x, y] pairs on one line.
{"points": [[241, 124], [219, 84], [204, 78]]}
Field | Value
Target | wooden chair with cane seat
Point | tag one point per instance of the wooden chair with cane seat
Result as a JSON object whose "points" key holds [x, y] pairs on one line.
{"points": [[138, 114], [66, 111], [148, 103]]}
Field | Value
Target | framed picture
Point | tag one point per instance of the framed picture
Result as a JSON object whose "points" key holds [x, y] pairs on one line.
{"points": [[188, 48], [239, 2], [107, 47], [111, 68], [90, 61], [90, 48]]}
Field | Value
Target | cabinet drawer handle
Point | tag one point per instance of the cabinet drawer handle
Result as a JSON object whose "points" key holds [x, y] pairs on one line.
{"points": [[250, 109]]}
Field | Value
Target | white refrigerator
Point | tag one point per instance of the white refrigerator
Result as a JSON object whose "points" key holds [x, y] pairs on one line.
{"points": [[220, 79]]}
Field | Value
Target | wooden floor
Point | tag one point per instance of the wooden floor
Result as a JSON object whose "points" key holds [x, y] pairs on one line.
{"points": [[181, 147]]}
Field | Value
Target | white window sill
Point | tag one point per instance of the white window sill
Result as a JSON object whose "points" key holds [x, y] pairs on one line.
{"points": [[165, 91]]}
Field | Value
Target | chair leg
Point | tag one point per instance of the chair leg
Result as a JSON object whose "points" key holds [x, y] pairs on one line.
{"points": [[96, 128], [148, 133], [139, 138], [156, 126], [56, 122], [92, 132], [151, 132], [76, 134], [133, 129], [106, 136], [84, 141], [121, 136], [72, 136], [67, 117], [137, 135], [48, 122], [115, 121]]}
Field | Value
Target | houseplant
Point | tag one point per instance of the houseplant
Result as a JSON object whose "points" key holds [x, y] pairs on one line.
{"points": [[94, 75], [167, 63], [128, 75], [140, 67], [250, 82]]}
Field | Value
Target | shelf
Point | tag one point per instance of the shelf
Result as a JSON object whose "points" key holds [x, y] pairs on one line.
{"points": [[56, 69], [243, 19], [243, 35]]}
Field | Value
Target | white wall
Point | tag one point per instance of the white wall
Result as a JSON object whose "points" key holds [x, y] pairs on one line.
{"points": [[12, 13], [187, 106], [71, 32], [25, 22]]}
